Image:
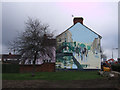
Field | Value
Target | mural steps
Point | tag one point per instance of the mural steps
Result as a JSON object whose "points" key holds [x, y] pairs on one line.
{"points": [[77, 63], [74, 59]]}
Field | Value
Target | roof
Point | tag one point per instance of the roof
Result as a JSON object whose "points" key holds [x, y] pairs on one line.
{"points": [[84, 26], [49, 42], [12, 56]]}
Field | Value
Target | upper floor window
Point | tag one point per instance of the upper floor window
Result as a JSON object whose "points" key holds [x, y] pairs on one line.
{"points": [[65, 39], [59, 39]]}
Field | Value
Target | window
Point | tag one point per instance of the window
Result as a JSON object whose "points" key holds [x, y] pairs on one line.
{"points": [[65, 39], [59, 39]]}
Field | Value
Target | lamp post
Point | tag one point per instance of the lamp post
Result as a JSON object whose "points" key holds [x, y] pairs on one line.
{"points": [[112, 51]]}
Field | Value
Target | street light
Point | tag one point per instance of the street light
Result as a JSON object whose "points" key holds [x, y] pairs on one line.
{"points": [[112, 51]]}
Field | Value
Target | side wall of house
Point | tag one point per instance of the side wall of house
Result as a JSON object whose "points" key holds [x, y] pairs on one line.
{"points": [[84, 46]]}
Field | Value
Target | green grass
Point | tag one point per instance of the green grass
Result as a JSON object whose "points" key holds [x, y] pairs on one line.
{"points": [[82, 75]]}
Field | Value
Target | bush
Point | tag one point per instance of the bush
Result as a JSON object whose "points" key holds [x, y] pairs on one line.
{"points": [[10, 68], [116, 67]]}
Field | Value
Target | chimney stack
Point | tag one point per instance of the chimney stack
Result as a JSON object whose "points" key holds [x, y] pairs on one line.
{"points": [[78, 19]]}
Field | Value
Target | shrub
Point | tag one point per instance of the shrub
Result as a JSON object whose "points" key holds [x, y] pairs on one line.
{"points": [[116, 67], [10, 68]]}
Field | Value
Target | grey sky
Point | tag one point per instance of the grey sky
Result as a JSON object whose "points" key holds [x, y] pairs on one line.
{"points": [[101, 17]]}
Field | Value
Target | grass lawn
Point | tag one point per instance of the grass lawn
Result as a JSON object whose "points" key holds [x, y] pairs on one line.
{"points": [[80, 75]]}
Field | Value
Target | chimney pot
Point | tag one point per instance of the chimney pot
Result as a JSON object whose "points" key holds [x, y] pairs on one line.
{"points": [[78, 19]]}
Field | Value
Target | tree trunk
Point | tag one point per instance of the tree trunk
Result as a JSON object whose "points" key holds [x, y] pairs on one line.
{"points": [[33, 71]]}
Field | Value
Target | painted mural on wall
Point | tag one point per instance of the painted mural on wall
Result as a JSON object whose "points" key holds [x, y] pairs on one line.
{"points": [[78, 48]]}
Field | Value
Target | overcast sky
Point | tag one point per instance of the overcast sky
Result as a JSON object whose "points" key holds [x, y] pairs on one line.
{"points": [[101, 17]]}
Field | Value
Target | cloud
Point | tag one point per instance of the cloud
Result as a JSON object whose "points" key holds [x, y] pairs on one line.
{"points": [[3, 49]]}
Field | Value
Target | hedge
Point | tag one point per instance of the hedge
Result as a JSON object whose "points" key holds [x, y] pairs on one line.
{"points": [[10, 68], [115, 67]]}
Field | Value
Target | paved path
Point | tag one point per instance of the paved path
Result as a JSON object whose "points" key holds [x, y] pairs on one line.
{"points": [[98, 83]]}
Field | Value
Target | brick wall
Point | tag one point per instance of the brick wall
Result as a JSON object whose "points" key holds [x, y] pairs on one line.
{"points": [[45, 67]]}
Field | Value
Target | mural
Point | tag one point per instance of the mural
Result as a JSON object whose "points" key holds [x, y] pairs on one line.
{"points": [[78, 48]]}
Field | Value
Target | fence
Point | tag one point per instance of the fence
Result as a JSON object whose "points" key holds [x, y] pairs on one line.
{"points": [[15, 68], [45, 67]]}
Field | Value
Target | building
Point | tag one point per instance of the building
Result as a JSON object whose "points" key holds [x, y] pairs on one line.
{"points": [[78, 47], [10, 58]]}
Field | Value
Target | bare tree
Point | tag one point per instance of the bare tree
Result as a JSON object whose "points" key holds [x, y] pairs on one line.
{"points": [[31, 43]]}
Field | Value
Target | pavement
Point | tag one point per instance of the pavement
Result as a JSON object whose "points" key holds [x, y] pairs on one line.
{"points": [[96, 83]]}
